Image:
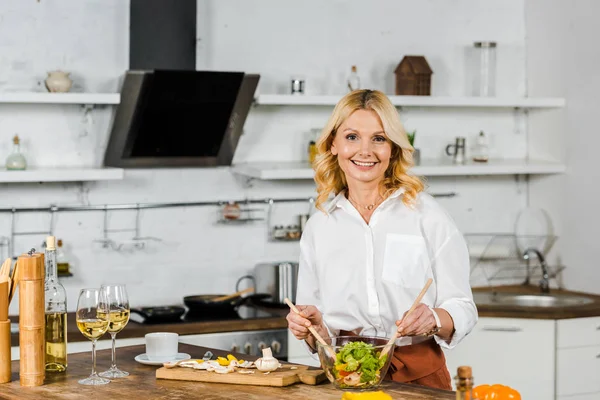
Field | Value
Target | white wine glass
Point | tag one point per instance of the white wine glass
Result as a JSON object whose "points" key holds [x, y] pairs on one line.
{"points": [[92, 322], [118, 316]]}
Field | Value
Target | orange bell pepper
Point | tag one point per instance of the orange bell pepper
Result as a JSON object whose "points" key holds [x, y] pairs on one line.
{"points": [[495, 392]]}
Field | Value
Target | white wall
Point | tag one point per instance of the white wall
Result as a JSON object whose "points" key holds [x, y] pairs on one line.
{"points": [[276, 39], [561, 59]]}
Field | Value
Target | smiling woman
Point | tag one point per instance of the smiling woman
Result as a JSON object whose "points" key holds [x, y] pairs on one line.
{"points": [[365, 257], [364, 141]]}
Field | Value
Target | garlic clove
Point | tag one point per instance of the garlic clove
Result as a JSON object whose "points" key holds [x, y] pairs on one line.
{"points": [[267, 362]]}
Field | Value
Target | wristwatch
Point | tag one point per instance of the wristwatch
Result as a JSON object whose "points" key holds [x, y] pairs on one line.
{"points": [[438, 324]]}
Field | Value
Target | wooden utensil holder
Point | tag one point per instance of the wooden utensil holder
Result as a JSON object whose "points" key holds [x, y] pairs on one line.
{"points": [[31, 319], [5, 369]]}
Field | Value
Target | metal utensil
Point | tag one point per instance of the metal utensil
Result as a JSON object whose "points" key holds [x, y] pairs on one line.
{"points": [[207, 356]]}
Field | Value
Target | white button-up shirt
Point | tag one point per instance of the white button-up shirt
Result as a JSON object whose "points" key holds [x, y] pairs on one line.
{"points": [[363, 277]]}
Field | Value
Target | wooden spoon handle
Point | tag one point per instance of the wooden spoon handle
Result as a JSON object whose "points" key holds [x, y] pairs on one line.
{"points": [[412, 308], [5, 269], [310, 328], [14, 282], [234, 295]]}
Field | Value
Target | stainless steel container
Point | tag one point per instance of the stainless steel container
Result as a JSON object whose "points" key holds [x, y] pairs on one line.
{"points": [[277, 279]]}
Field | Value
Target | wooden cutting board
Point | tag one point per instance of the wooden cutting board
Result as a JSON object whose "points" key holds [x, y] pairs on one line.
{"points": [[282, 377]]}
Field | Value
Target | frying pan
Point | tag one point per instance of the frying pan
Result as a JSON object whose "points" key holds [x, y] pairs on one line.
{"points": [[204, 304], [158, 315]]}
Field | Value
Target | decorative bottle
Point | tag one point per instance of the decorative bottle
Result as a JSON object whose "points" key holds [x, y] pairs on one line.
{"points": [[62, 262], [16, 161], [481, 148], [56, 313], [353, 79], [464, 383]]}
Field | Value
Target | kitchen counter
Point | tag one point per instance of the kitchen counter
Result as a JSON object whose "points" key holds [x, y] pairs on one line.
{"points": [[514, 311], [142, 384], [136, 330]]}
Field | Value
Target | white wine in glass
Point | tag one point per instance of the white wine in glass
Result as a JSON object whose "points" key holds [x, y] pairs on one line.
{"points": [[91, 309], [117, 316]]}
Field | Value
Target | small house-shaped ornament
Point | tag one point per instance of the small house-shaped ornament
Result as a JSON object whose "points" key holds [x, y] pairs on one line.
{"points": [[413, 77]]}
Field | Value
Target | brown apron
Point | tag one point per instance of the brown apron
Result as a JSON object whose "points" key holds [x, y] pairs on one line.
{"points": [[422, 364]]}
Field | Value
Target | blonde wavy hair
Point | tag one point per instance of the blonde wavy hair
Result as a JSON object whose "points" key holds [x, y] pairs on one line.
{"points": [[328, 174]]}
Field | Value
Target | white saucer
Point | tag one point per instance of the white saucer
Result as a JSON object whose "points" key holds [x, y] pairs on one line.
{"points": [[143, 359]]}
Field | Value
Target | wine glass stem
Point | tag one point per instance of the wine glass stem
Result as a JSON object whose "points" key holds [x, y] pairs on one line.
{"points": [[114, 352], [93, 358]]}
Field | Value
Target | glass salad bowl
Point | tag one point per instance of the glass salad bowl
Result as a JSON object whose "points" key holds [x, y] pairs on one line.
{"points": [[358, 363]]}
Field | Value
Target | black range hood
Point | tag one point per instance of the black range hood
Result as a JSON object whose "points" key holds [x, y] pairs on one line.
{"points": [[176, 118]]}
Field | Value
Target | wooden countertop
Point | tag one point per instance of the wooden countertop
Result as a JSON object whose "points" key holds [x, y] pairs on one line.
{"points": [[512, 311], [142, 383], [136, 330]]}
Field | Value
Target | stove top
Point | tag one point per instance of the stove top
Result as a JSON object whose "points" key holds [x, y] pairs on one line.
{"points": [[245, 311], [253, 307]]}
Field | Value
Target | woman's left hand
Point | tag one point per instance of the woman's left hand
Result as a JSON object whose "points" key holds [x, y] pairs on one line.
{"points": [[420, 322]]}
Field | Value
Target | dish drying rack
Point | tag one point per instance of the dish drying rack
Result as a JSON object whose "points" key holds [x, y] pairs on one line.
{"points": [[499, 256]]}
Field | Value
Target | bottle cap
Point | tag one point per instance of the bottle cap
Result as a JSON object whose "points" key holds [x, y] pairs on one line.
{"points": [[51, 243], [465, 372], [354, 68], [16, 139], [59, 243]]}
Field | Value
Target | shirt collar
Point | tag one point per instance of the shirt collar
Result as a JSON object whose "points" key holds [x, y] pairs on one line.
{"points": [[341, 201]]}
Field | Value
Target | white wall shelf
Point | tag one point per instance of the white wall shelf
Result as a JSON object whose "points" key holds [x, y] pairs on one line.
{"points": [[419, 101], [301, 170], [75, 174], [59, 98]]}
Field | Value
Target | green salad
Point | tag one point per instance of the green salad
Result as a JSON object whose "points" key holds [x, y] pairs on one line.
{"points": [[358, 364]]}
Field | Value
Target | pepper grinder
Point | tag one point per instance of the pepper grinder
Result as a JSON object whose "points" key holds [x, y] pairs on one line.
{"points": [[31, 319]]}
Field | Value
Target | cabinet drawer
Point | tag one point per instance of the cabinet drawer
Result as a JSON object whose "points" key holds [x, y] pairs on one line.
{"points": [[578, 370], [578, 332], [587, 396]]}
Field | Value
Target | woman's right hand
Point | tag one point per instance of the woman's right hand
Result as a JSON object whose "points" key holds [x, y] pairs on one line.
{"points": [[299, 323]]}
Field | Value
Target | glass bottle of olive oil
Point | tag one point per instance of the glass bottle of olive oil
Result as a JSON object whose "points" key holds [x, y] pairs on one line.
{"points": [[56, 313]]}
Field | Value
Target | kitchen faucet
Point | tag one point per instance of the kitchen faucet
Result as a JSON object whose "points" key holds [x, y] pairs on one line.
{"points": [[544, 282]]}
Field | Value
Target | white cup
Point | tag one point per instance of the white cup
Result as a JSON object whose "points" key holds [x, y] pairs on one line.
{"points": [[161, 346]]}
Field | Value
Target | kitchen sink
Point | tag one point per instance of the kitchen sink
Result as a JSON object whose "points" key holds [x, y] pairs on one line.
{"points": [[530, 300]]}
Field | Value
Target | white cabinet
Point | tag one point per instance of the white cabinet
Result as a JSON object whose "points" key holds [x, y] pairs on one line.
{"points": [[578, 358], [578, 332], [297, 352], [589, 396], [510, 351]]}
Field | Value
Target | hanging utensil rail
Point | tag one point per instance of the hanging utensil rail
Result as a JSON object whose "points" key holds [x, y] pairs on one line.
{"points": [[134, 206]]}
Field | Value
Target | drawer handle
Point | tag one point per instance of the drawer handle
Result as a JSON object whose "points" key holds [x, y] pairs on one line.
{"points": [[502, 328]]}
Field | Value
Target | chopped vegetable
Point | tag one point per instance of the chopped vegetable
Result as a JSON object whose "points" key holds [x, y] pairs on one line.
{"points": [[358, 364]]}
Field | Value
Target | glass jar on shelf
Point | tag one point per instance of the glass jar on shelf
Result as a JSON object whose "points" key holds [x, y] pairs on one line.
{"points": [[16, 160], [312, 144], [483, 69], [481, 150]]}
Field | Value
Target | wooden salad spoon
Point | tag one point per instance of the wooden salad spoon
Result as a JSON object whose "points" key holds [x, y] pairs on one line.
{"points": [[312, 329], [395, 336]]}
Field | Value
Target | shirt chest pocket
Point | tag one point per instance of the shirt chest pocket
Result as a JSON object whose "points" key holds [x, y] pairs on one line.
{"points": [[405, 260]]}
